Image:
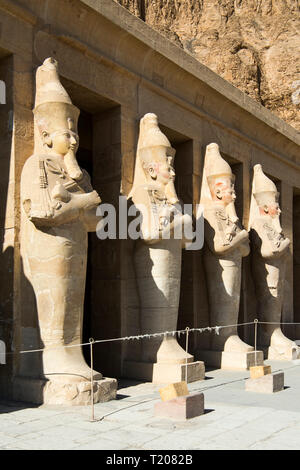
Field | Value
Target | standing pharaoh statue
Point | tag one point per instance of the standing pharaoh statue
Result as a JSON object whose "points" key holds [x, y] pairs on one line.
{"points": [[268, 266], [226, 243], [59, 208], [157, 259]]}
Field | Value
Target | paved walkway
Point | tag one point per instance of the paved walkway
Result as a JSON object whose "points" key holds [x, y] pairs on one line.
{"points": [[234, 419]]}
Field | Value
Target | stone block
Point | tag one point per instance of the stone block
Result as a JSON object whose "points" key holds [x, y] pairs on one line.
{"points": [[161, 373], [181, 408], [288, 354], [259, 371], [178, 389], [232, 360], [52, 392], [269, 383], [170, 373]]}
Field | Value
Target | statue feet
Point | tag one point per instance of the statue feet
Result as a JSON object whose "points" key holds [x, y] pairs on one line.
{"points": [[282, 348], [170, 352], [235, 344], [67, 364]]}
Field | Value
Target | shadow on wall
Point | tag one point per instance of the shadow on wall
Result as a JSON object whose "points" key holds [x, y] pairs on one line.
{"points": [[7, 232]]}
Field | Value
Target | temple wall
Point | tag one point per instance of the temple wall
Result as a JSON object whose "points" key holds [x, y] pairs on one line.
{"points": [[116, 69]]}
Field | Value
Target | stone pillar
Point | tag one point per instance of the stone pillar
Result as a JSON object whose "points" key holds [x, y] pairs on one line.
{"points": [[286, 192], [200, 305], [296, 259], [113, 294], [16, 136]]}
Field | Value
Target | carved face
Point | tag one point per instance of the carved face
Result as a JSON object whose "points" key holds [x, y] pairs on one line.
{"points": [[223, 190], [62, 141], [271, 209], [161, 169]]}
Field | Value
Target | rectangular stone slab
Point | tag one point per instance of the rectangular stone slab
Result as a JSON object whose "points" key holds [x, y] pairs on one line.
{"points": [[164, 373], [42, 391], [270, 383], [231, 360], [181, 408], [169, 373], [259, 371]]}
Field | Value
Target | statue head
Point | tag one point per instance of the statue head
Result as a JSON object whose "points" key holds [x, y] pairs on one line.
{"points": [[156, 156], [56, 117], [265, 193], [219, 176]]}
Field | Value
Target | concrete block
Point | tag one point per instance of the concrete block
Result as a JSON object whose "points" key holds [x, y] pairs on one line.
{"points": [[270, 383], [181, 408], [178, 389], [259, 371]]}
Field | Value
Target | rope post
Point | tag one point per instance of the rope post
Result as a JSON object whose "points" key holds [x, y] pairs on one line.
{"points": [[186, 351], [91, 341], [255, 340]]}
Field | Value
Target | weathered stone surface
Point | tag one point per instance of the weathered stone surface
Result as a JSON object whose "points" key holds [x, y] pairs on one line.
{"points": [[186, 407], [270, 383], [55, 392], [253, 44]]}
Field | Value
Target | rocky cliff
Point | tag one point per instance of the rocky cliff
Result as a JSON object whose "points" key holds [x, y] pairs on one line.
{"points": [[254, 44]]}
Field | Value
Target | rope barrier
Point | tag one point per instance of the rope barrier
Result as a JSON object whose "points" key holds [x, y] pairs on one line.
{"points": [[187, 330], [135, 337]]}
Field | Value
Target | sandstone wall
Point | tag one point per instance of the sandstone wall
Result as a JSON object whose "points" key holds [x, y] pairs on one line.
{"points": [[254, 44]]}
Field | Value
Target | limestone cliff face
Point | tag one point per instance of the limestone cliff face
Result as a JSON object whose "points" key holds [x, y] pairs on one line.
{"points": [[254, 44]]}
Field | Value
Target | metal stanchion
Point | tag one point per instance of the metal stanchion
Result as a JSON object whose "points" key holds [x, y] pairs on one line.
{"points": [[186, 350], [91, 341], [255, 340]]}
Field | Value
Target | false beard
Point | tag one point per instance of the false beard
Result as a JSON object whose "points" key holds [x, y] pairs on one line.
{"points": [[276, 224], [72, 166], [231, 212], [170, 193]]}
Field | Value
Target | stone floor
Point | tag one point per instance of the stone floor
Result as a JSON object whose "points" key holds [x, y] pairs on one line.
{"points": [[234, 419]]}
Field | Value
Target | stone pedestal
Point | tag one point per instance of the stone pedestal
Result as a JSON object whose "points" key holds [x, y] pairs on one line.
{"points": [[270, 383], [288, 354], [161, 373], [181, 408], [231, 360], [60, 392]]}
